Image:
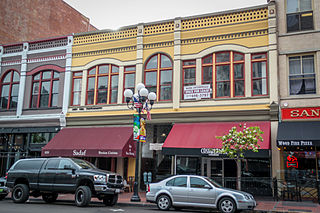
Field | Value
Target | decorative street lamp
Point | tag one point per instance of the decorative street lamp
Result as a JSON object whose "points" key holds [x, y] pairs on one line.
{"points": [[143, 100]]}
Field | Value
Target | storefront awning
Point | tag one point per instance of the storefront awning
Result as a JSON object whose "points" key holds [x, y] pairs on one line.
{"points": [[92, 142], [200, 138], [299, 133]]}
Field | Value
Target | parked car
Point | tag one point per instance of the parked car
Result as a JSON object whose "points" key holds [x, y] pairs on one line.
{"points": [[183, 191], [47, 177], [3, 189]]}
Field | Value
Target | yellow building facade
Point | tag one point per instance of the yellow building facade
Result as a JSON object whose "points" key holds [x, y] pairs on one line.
{"points": [[234, 52]]}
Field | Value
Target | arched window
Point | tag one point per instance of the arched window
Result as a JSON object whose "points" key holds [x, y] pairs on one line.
{"points": [[102, 84], [10, 90], [158, 76], [45, 89], [224, 71]]}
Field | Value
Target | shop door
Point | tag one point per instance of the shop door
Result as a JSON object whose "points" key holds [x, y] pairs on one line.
{"points": [[213, 168]]}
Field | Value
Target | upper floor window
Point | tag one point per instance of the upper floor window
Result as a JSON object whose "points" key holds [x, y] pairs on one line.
{"points": [[129, 79], [301, 75], [188, 73], [76, 88], [45, 89], [299, 15], [225, 72], [102, 85], [9, 90], [158, 76], [259, 74]]}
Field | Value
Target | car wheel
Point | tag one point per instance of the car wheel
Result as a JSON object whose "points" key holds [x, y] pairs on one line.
{"points": [[164, 202], [83, 196], [20, 193], [110, 200], [227, 205], [50, 198], [2, 197]]}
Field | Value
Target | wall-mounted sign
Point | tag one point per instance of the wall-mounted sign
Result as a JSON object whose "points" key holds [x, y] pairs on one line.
{"points": [[294, 143], [196, 92], [211, 151], [300, 113], [155, 146], [292, 161]]}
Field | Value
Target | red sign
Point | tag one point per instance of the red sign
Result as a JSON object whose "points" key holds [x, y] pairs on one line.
{"points": [[300, 113], [292, 161]]}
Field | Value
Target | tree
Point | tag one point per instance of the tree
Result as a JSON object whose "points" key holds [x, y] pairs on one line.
{"points": [[235, 143]]}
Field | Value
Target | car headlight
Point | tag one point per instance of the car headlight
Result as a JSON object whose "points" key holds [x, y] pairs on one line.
{"points": [[99, 178], [246, 197]]}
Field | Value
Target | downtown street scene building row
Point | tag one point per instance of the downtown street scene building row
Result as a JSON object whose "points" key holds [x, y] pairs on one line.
{"points": [[64, 96]]}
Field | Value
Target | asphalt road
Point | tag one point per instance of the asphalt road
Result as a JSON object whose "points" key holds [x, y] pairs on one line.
{"points": [[39, 206]]}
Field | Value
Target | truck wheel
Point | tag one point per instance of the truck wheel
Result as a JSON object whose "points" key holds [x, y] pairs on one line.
{"points": [[164, 202], [83, 196], [110, 200], [50, 198], [20, 193]]}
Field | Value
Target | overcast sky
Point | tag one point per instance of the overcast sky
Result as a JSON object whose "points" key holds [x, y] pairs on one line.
{"points": [[114, 14]]}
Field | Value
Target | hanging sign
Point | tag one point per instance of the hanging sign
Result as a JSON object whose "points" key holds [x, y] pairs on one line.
{"points": [[196, 92], [136, 127], [142, 130]]}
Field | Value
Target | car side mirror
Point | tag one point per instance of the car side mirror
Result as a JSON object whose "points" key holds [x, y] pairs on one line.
{"points": [[207, 187]]}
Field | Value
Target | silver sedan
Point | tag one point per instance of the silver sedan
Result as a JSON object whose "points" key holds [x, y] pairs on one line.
{"points": [[182, 191]]}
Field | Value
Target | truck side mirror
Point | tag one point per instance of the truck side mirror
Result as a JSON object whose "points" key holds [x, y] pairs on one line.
{"points": [[69, 167]]}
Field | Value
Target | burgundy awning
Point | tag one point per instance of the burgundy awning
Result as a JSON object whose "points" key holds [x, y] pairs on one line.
{"points": [[92, 142], [191, 138]]}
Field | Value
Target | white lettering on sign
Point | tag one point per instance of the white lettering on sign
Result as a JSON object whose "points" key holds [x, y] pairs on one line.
{"points": [[46, 152], [107, 153], [197, 92], [295, 143], [211, 151], [79, 153]]}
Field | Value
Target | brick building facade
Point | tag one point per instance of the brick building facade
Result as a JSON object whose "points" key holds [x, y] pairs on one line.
{"points": [[33, 19]]}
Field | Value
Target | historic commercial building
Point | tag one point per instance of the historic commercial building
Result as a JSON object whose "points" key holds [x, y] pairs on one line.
{"points": [[210, 72], [34, 96], [299, 88]]}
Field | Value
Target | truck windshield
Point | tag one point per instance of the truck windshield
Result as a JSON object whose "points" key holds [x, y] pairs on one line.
{"points": [[83, 164]]}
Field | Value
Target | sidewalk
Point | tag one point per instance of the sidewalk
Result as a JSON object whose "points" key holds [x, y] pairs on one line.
{"points": [[263, 205]]}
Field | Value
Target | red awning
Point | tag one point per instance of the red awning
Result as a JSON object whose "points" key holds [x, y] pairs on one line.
{"points": [[203, 135], [92, 142]]}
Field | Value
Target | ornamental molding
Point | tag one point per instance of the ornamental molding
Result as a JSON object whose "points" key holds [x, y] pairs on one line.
{"points": [[104, 52], [46, 58], [224, 37]]}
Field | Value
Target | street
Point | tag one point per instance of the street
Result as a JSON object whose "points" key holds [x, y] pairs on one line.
{"points": [[39, 206]]}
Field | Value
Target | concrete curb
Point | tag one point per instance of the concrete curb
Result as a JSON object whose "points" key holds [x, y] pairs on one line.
{"points": [[144, 204]]}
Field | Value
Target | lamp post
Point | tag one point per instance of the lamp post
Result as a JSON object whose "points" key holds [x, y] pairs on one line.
{"points": [[143, 100]]}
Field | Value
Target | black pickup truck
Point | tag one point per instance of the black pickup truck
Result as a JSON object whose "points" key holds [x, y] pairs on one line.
{"points": [[47, 177]]}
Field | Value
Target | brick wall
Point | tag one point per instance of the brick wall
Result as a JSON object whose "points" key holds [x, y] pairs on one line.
{"points": [[27, 20]]}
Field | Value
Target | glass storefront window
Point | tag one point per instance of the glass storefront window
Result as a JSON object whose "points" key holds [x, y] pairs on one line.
{"points": [[188, 165], [41, 138], [300, 165], [256, 168]]}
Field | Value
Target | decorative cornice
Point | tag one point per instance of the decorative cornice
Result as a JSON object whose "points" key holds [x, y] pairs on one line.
{"points": [[225, 37], [158, 45], [9, 63], [47, 58], [104, 52]]}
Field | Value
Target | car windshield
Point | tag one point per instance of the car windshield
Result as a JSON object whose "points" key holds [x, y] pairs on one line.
{"points": [[213, 182], [83, 164]]}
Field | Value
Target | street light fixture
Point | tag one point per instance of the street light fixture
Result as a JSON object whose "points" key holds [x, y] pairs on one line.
{"points": [[143, 100]]}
